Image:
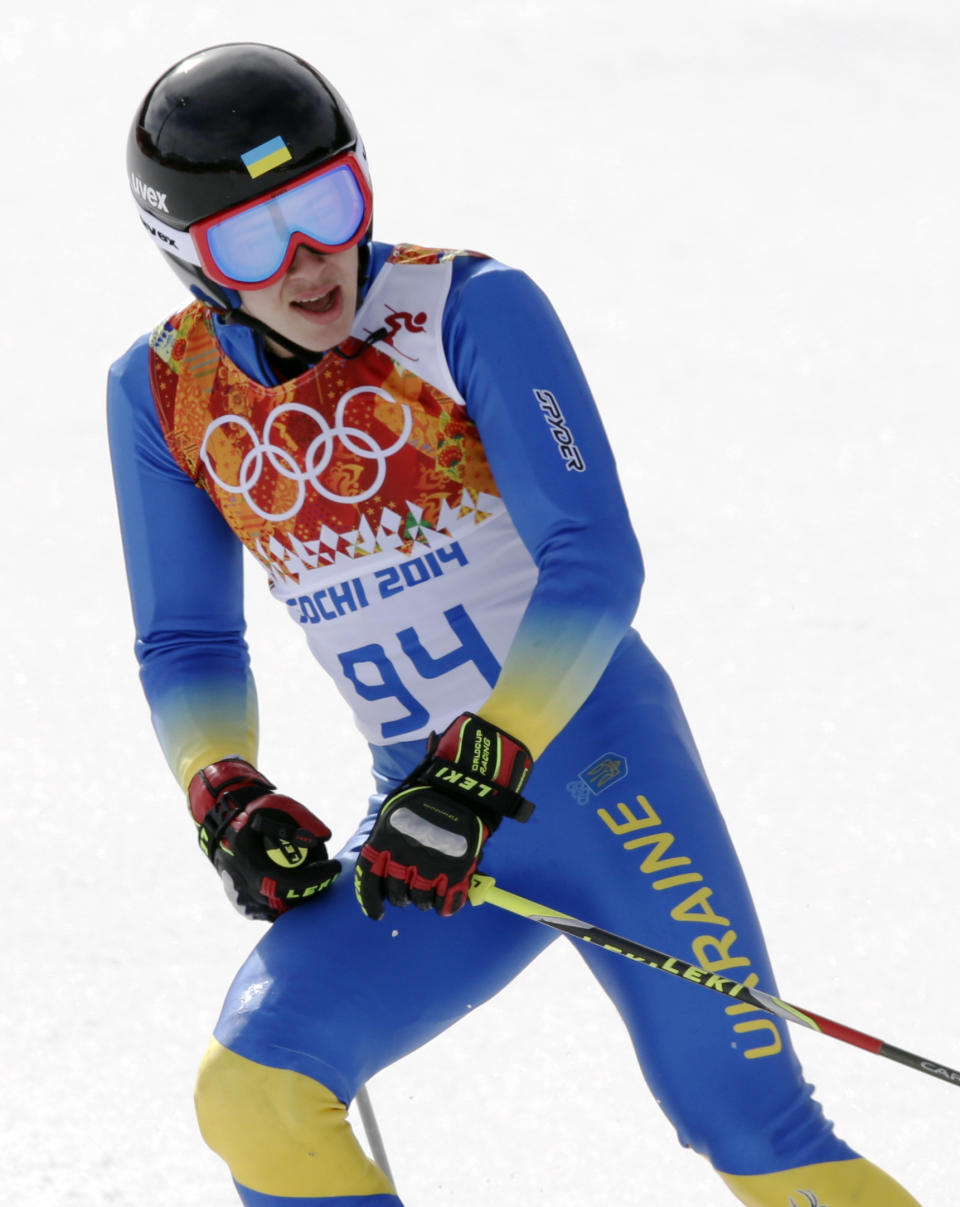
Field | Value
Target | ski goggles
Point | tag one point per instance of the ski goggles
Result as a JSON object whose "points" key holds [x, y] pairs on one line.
{"points": [[251, 245]]}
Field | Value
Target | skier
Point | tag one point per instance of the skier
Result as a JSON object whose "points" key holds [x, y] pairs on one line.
{"points": [[403, 438]]}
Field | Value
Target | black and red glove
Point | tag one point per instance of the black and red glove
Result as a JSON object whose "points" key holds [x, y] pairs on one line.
{"points": [[428, 837], [270, 850]]}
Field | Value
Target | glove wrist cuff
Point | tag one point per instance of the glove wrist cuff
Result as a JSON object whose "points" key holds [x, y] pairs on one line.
{"points": [[233, 772], [218, 793], [478, 764]]}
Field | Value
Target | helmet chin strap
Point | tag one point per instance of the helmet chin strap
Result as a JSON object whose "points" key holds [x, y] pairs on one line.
{"points": [[303, 357]]}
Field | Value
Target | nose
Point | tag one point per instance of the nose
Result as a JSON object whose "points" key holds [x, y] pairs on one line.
{"points": [[303, 255]]}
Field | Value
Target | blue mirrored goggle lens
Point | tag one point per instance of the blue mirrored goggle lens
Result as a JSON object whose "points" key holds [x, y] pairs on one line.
{"points": [[250, 246]]}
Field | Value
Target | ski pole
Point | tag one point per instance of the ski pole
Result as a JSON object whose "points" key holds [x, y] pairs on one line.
{"points": [[484, 890], [372, 1129]]}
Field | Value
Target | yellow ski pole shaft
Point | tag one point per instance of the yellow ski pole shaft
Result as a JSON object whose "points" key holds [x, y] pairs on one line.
{"points": [[484, 891]]}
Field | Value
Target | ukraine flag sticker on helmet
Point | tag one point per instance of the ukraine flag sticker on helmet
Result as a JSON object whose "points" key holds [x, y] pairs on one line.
{"points": [[267, 156]]}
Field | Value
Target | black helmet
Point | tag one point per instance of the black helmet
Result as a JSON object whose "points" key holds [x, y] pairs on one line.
{"points": [[187, 146]]}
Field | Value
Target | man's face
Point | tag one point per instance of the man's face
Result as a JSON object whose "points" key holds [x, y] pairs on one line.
{"points": [[313, 303]]}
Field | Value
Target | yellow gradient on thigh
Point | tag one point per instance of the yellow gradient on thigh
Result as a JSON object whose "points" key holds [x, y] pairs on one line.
{"points": [[854, 1183], [280, 1132]]}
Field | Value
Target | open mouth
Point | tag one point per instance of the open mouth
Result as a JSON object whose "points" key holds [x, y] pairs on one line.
{"points": [[323, 303]]}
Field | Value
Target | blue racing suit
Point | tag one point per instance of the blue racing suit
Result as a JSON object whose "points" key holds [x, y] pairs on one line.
{"points": [[436, 506]]}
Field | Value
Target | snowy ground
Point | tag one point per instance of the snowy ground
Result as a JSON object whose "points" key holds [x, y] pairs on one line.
{"points": [[747, 215]]}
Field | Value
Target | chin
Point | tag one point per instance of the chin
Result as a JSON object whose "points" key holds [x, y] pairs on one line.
{"points": [[323, 341]]}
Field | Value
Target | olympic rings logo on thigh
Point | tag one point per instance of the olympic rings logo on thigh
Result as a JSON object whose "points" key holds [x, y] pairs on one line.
{"points": [[318, 455]]}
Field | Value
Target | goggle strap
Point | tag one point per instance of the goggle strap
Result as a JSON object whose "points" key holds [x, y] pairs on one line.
{"points": [[177, 243]]}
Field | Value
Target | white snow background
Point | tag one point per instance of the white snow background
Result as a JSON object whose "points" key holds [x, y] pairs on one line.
{"points": [[746, 214]]}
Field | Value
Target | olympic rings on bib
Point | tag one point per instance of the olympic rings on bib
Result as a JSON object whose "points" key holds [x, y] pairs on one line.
{"points": [[317, 457]]}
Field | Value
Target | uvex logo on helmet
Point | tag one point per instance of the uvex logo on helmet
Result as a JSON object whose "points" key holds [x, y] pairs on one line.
{"points": [[147, 193]]}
